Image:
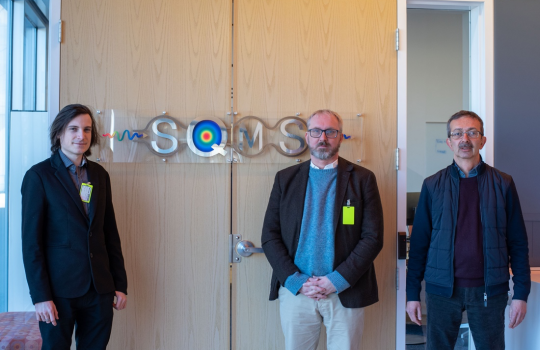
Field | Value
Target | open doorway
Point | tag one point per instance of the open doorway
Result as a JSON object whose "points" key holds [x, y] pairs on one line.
{"points": [[445, 63], [438, 85]]}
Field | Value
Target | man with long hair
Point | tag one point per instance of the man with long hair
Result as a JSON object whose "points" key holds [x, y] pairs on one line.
{"points": [[71, 246]]}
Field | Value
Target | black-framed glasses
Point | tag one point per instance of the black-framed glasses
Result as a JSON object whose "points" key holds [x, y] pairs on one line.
{"points": [[458, 134], [330, 133]]}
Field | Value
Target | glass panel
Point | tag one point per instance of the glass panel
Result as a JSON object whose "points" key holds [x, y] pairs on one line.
{"points": [[41, 69], [29, 71], [4, 31], [257, 140], [127, 137], [3, 94], [43, 6], [29, 144], [29, 75]]}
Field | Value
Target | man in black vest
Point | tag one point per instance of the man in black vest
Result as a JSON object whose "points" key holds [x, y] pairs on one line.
{"points": [[467, 229], [71, 247]]}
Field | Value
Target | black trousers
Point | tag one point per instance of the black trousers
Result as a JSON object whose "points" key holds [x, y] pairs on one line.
{"points": [[90, 314], [485, 323]]}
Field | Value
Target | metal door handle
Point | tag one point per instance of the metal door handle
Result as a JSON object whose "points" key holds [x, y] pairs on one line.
{"points": [[238, 248], [246, 248]]}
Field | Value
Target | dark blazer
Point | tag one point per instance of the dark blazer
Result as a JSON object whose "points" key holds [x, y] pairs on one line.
{"points": [[356, 246], [64, 250]]}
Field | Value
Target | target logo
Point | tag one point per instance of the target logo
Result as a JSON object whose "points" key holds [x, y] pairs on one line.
{"points": [[207, 137]]}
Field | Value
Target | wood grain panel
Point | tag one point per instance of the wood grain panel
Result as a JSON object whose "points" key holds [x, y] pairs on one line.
{"points": [[142, 57], [145, 55], [174, 223], [255, 316], [297, 57], [253, 313]]}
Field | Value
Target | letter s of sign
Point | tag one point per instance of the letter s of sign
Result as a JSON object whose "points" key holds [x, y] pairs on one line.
{"points": [[283, 128], [174, 146]]}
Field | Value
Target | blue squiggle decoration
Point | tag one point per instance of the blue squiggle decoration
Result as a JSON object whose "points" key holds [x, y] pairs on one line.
{"points": [[117, 134], [346, 137]]}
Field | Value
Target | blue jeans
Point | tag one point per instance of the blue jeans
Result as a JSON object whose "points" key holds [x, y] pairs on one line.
{"points": [[485, 323]]}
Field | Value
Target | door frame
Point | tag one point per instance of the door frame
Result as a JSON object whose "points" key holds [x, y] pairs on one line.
{"points": [[53, 102], [481, 101]]}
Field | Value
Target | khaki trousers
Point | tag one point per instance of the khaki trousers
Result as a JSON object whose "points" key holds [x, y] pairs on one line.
{"points": [[301, 319]]}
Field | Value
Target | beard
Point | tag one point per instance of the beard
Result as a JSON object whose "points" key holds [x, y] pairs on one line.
{"points": [[323, 154]]}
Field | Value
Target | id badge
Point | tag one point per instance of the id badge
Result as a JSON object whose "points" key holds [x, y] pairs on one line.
{"points": [[348, 214], [86, 192]]}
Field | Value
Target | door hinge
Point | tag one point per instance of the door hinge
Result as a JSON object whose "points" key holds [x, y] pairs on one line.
{"points": [[397, 39], [397, 158], [397, 278], [60, 31]]}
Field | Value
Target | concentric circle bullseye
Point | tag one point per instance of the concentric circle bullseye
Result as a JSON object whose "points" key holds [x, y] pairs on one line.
{"points": [[205, 134]]}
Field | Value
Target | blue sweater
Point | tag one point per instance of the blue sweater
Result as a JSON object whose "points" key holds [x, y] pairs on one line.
{"points": [[315, 253]]}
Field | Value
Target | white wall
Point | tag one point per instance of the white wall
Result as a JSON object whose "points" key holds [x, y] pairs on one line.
{"points": [[437, 84], [526, 335], [29, 144]]}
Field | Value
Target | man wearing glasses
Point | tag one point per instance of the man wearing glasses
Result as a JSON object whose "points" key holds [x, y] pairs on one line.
{"points": [[322, 230], [468, 227]]}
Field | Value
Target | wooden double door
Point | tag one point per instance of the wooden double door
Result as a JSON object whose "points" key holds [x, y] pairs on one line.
{"points": [[212, 58]]}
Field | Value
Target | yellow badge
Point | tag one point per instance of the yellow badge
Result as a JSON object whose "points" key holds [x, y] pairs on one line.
{"points": [[86, 192], [348, 215]]}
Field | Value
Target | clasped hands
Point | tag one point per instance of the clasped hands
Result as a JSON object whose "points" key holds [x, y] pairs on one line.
{"points": [[317, 288]]}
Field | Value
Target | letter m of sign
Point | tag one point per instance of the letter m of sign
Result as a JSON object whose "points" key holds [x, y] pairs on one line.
{"points": [[257, 133]]}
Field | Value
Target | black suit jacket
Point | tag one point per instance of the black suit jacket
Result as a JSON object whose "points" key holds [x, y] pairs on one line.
{"points": [[64, 250], [356, 246]]}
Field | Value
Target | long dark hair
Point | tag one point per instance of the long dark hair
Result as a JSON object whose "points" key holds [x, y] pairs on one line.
{"points": [[67, 114]]}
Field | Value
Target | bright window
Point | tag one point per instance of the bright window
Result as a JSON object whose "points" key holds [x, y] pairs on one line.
{"points": [[4, 74], [30, 27]]}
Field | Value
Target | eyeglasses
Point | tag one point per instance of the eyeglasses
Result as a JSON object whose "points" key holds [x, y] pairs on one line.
{"points": [[472, 134], [330, 133]]}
